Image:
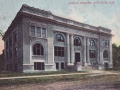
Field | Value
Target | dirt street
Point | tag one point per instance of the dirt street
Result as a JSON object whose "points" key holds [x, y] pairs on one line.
{"points": [[111, 81], [71, 85]]}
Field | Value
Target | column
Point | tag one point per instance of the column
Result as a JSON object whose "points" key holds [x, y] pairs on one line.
{"points": [[84, 51], [100, 53], [111, 61], [72, 49], [68, 50], [97, 51], [88, 58]]}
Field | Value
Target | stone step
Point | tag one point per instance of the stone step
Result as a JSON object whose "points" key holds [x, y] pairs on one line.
{"points": [[70, 67], [87, 68]]}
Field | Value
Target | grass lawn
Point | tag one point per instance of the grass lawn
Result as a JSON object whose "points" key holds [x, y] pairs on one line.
{"points": [[14, 74], [52, 79], [113, 69], [41, 79], [69, 81]]}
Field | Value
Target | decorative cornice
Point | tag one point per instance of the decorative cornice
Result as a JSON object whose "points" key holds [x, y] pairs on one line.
{"points": [[66, 24], [49, 17]]}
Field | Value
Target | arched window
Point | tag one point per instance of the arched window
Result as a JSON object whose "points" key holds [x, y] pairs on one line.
{"points": [[59, 38], [77, 42], [105, 54], [92, 43], [38, 49]]}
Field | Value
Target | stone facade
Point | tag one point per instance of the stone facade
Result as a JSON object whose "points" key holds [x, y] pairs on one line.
{"points": [[38, 41]]}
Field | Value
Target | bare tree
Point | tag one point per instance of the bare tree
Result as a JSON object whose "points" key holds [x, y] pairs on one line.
{"points": [[1, 33], [1, 56]]}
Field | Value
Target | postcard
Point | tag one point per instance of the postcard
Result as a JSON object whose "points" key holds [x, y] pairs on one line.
{"points": [[59, 44]]}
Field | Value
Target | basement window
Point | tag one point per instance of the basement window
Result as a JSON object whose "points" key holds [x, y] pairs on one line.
{"points": [[62, 65], [38, 65], [57, 65]]}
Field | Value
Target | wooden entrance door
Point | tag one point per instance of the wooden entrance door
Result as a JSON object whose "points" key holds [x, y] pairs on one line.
{"points": [[77, 57]]}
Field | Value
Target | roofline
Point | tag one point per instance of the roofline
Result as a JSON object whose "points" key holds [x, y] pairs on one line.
{"points": [[25, 13], [25, 5], [48, 12]]}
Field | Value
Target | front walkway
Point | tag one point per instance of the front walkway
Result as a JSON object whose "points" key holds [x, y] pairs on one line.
{"points": [[101, 72]]}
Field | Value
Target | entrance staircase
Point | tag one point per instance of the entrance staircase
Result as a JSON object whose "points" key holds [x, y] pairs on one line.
{"points": [[89, 68], [83, 68], [70, 68]]}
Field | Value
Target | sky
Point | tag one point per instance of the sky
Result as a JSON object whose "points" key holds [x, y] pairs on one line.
{"points": [[105, 13]]}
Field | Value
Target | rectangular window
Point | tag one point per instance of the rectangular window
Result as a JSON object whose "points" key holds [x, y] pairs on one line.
{"points": [[10, 67], [7, 54], [62, 65], [15, 51], [38, 32], [6, 49], [6, 44], [15, 66], [59, 51], [92, 53], [38, 65], [7, 67], [106, 43], [10, 54], [103, 42], [15, 37], [10, 40], [44, 32], [32, 30], [57, 65]]}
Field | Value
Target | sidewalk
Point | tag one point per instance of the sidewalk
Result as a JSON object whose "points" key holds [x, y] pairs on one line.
{"points": [[102, 72], [36, 76]]}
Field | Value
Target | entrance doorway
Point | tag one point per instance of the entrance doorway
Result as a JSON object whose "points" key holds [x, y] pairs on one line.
{"points": [[106, 65], [77, 57]]}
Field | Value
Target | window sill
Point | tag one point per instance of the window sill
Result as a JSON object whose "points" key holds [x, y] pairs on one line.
{"points": [[93, 46], [37, 55], [38, 70], [105, 58], [60, 56], [105, 46], [59, 42], [38, 37]]}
